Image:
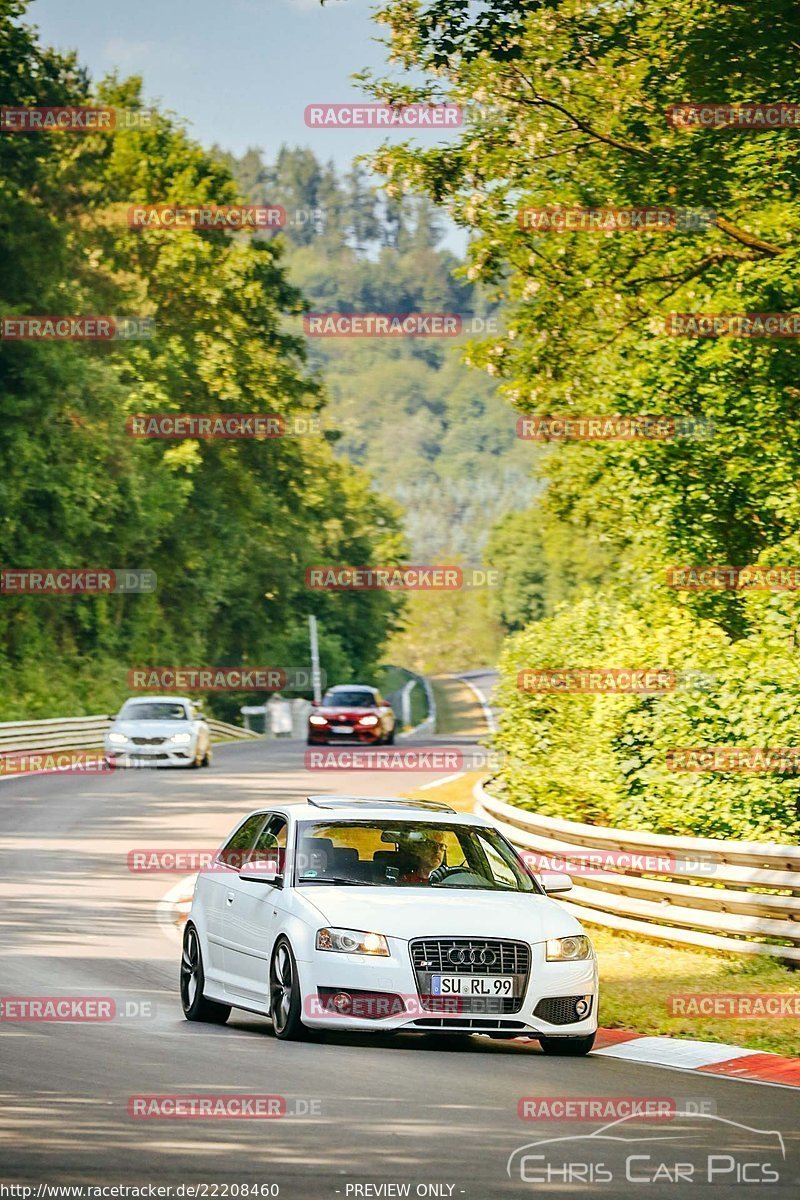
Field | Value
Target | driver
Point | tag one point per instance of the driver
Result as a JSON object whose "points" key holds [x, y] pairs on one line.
{"points": [[424, 860]]}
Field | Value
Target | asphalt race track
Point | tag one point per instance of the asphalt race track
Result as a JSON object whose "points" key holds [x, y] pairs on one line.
{"points": [[438, 1119]]}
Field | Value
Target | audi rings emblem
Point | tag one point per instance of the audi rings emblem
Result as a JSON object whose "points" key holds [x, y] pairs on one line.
{"points": [[463, 956]]}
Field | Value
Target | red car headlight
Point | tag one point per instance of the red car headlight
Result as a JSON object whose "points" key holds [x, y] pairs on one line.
{"points": [[368, 720]]}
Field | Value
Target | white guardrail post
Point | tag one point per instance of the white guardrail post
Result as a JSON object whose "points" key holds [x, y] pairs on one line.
{"points": [[743, 897]]}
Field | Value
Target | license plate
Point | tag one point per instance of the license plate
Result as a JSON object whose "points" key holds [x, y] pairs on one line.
{"points": [[472, 985], [341, 729]]}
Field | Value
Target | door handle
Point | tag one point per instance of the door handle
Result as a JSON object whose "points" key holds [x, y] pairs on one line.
{"points": [[230, 897]]}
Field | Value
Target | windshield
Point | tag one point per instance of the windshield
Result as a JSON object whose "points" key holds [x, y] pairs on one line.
{"points": [[164, 710], [395, 853], [348, 698]]}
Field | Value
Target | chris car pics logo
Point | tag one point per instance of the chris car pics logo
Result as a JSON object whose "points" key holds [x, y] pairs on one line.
{"points": [[697, 1148]]}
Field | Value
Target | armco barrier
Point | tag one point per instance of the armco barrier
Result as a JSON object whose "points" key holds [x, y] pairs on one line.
{"points": [[81, 733], [748, 900]]}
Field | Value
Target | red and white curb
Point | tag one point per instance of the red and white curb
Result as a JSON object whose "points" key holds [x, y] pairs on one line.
{"points": [[711, 1058]]}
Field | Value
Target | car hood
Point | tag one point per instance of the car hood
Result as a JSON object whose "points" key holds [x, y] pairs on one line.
{"points": [[152, 728], [421, 912]]}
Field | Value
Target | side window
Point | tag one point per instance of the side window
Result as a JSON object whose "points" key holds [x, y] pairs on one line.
{"points": [[234, 853], [270, 849]]}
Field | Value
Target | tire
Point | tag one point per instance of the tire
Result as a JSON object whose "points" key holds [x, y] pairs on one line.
{"points": [[567, 1047], [284, 994], [194, 1004], [208, 757], [390, 738]]}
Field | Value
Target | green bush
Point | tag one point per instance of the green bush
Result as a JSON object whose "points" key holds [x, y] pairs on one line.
{"points": [[603, 758]]}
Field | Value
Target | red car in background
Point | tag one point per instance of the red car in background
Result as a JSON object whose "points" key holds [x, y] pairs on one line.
{"points": [[351, 713]]}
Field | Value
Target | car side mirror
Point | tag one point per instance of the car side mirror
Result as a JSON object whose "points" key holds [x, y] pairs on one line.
{"points": [[555, 881], [252, 875], [316, 703]]}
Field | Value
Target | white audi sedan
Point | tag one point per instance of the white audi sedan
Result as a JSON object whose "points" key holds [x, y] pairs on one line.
{"points": [[159, 731], [386, 915]]}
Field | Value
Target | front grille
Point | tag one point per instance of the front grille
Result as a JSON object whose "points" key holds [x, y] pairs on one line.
{"points": [[559, 1010], [140, 741], [471, 956]]}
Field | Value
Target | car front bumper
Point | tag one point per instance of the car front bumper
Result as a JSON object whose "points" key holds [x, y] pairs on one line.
{"points": [[326, 974], [359, 737], [151, 756]]}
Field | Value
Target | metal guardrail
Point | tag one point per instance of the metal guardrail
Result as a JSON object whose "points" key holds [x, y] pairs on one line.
{"points": [[402, 701], [742, 897], [80, 733]]}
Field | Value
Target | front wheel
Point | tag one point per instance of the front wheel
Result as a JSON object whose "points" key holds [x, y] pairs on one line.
{"points": [[208, 757], [567, 1047], [390, 737], [195, 1006], [284, 994]]}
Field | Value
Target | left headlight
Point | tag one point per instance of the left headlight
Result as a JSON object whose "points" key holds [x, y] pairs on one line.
{"points": [[182, 738], [568, 949], [352, 941]]}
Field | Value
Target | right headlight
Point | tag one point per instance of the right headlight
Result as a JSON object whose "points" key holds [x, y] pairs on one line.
{"points": [[318, 720], [352, 941], [118, 738], [568, 949]]}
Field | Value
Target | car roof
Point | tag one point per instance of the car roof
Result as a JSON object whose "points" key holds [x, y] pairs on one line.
{"points": [[330, 809], [168, 699]]}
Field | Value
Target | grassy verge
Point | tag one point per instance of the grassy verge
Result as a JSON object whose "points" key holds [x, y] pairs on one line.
{"points": [[638, 976]]}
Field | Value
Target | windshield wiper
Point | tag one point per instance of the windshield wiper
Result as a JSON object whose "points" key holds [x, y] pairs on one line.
{"points": [[335, 879]]}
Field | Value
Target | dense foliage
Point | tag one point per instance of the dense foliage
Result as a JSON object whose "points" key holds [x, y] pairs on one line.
{"points": [[567, 107], [432, 433], [228, 527]]}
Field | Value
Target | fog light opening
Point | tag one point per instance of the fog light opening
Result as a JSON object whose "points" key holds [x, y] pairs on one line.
{"points": [[582, 1006], [342, 1002]]}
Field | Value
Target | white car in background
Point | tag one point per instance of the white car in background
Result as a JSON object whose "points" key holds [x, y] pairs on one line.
{"points": [[386, 915], [159, 731]]}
